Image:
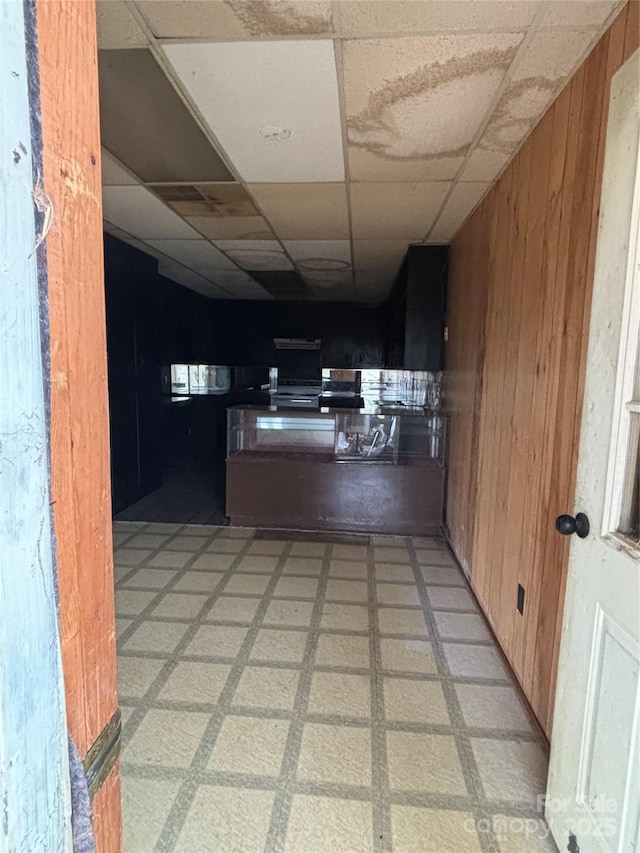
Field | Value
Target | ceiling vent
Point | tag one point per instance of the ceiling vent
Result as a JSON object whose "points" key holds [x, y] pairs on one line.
{"points": [[297, 343]]}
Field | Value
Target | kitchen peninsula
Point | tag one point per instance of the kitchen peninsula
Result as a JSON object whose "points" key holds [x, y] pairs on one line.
{"points": [[336, 469]]}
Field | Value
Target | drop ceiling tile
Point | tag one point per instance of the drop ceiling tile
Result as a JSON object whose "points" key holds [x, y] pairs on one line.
{"points": [[395, 211], [114, 173], [233, 280], [319, 255], [388, 17], [578, 13], [484, 165], [146, 125], [215, 200], [141, 214], [543, 70], [295, 91], [304, 211], [256, 254], [414, 105], [330, 284], [116, 26], [181, 275], [198, 255], [373, 254], [460, 203], [232, 228], [238, 19]]}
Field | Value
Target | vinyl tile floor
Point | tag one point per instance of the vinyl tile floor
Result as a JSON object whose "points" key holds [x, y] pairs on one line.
{"points": [[291, 695]]}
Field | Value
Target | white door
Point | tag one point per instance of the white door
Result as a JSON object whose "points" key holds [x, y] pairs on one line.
{"points": [[593, 793]]}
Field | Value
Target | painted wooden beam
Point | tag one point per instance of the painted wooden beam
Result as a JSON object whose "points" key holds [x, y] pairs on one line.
{"points": [[34, 777]]}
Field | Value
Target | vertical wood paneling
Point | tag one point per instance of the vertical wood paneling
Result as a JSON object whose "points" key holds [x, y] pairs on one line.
{"points": [[79, 430], [518, 320]]}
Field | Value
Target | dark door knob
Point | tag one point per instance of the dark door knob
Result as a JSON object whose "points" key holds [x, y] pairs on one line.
{"points": [[567, 524]]}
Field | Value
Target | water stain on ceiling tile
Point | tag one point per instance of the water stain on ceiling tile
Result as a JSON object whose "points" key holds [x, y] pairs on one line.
{"points": [[207, 200], [229, 19], [320, 256], [256, 255], [406, 111], [544, 69], [231, 228], [145, 124]]}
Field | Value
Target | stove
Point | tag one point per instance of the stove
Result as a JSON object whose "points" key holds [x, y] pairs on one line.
{"points": [[298, 393]]}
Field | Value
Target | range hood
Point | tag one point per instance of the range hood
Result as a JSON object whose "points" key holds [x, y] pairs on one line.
{"points": [[297, 343]]}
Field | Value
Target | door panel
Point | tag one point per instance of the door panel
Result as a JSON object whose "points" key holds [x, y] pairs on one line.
{"points": [[594, 776]]}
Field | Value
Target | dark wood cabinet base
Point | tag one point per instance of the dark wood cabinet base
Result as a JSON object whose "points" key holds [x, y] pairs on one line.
{"points": [[309, 494]]}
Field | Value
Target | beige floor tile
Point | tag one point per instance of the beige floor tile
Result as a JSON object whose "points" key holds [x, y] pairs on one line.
{"points": [[246, 584], [207, 530], [347, 590], [236, 533], [130, 602], [394, 572], [308, 549], [424, 762], [410, 701], [302, 566], [145, 806], [323, 824], [166, 738], [131, 526], [420, 830], [396, 593], [407, 656], [339, 695], [467, 661], [342, 650], [259, 564], [349, 552], [130, 556], [229, 820], [193, 681], [487, 707], [150, 578], [511, 771], [428, 542], [394, 620], [119, 538], [272, 547], [120, 572], [295, 614], [461, 626], [436, 558], [226, 545], [161, 637], [274, 645], [136, 675], [446, 575], [517, 836], [162, 527], [336, 754], [262, 687], [228, 608], [296, 588], [392, 555], [216, 641], [198, 582], [252, 745], [187, 543], [445, 598], [147, 540], [180, 605], [215, 562], [122, 625], [171, 559], [351, 569], [346, 617], [125, 712], [388, 540]]}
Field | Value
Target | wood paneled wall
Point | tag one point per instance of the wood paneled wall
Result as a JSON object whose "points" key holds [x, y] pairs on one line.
{"points": [[79, 415], [521, 274]]}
